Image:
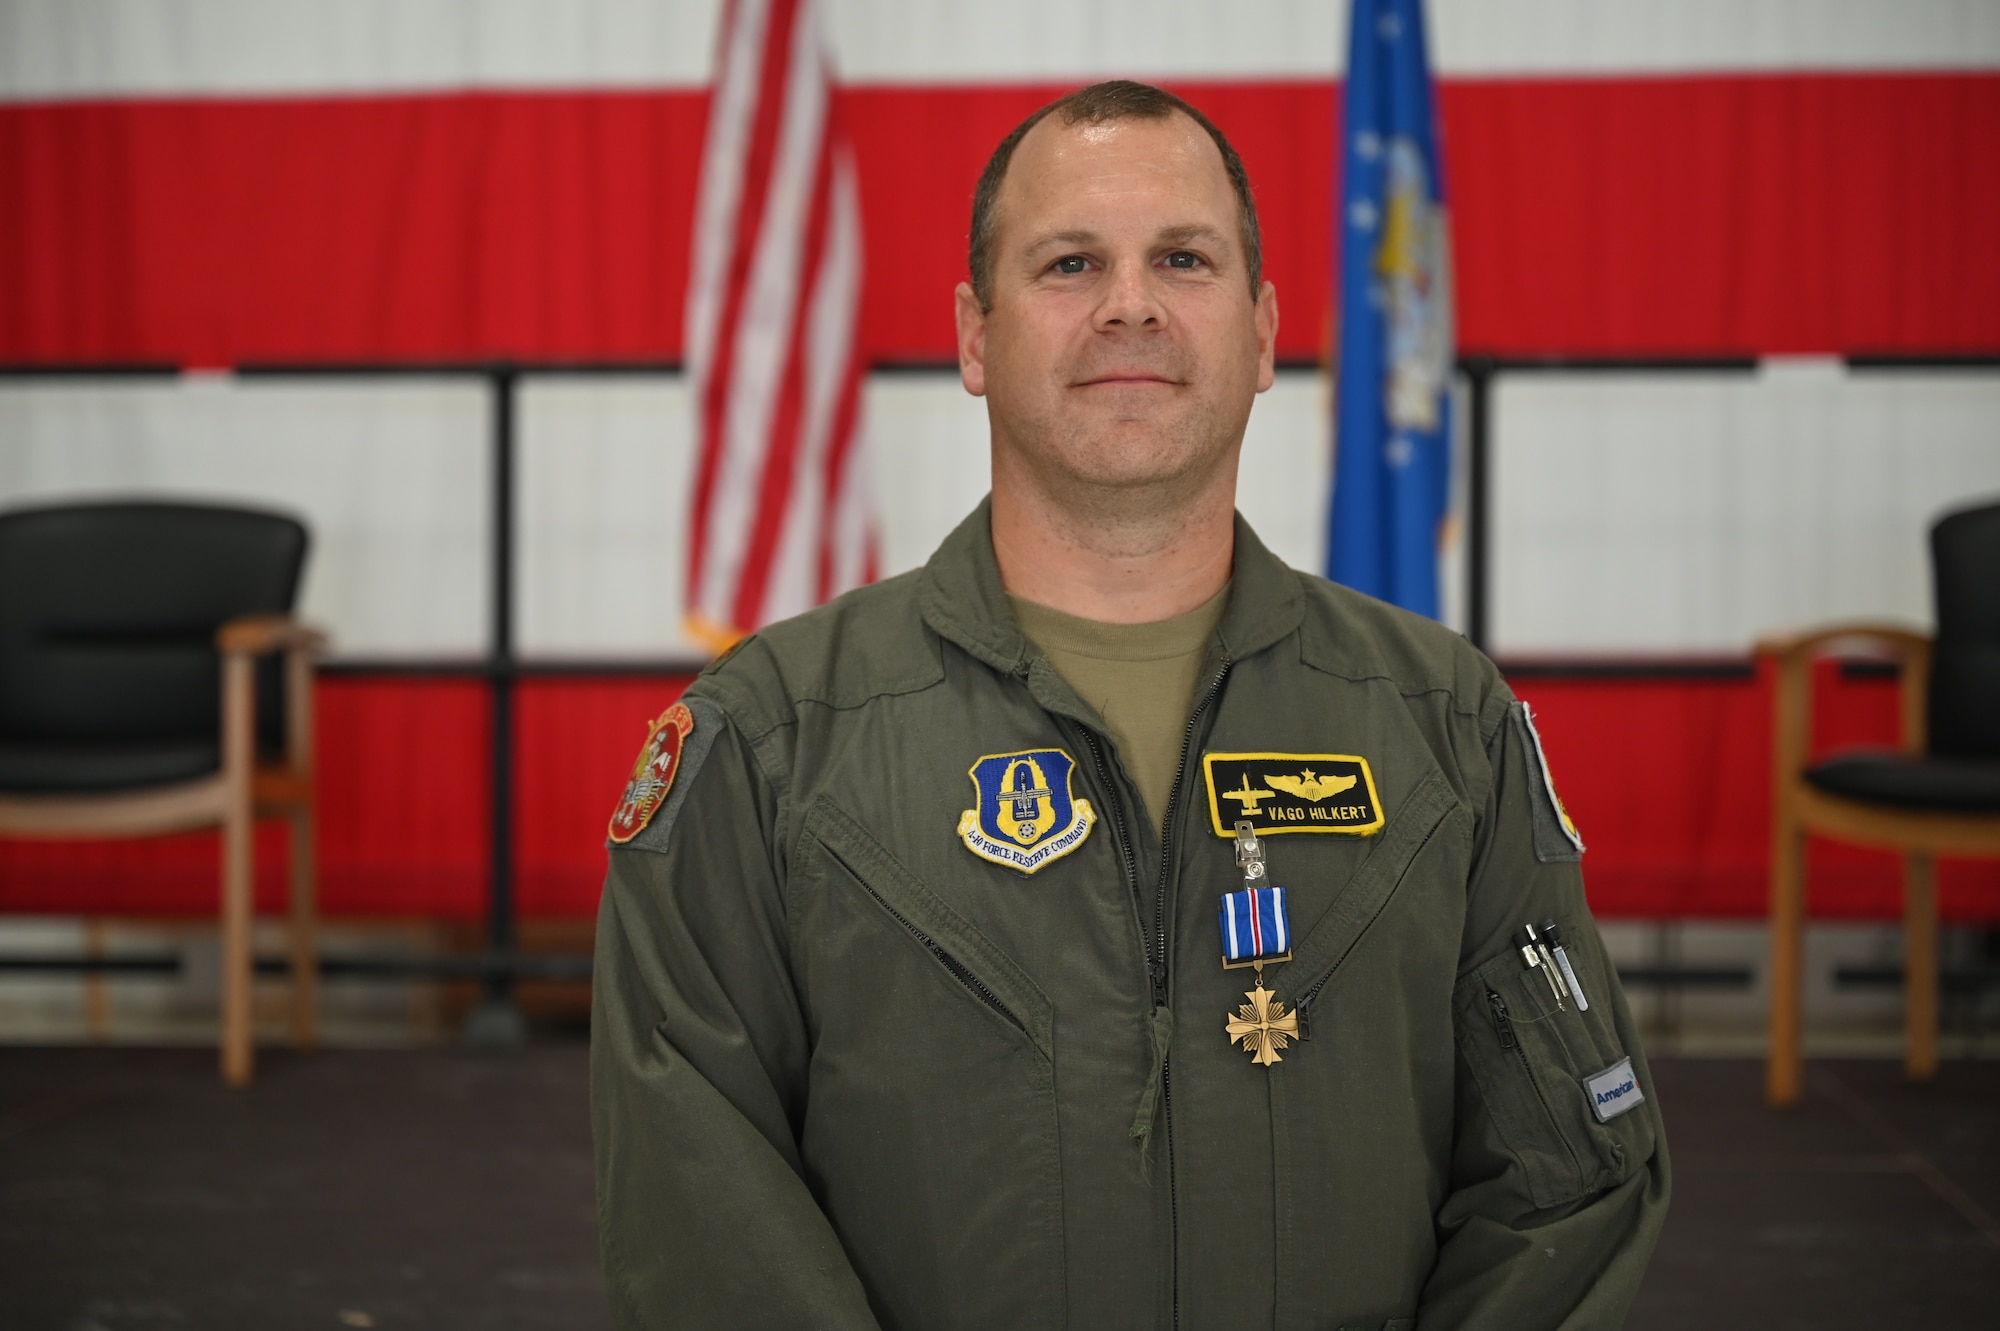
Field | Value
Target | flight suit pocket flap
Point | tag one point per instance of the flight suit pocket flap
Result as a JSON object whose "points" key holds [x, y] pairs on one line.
{"points": [[959, 946], [1361, 901]]}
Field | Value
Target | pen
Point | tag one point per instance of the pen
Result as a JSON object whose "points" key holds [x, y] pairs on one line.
{"points": [[1534, 954], [1554, 937], [1548, 963]]}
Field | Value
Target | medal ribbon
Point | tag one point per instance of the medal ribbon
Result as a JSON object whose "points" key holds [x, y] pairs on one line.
{"points": [[1255, 924]]}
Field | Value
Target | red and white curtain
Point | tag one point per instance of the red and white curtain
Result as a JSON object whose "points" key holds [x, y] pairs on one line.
{"points": [[224, 182]]}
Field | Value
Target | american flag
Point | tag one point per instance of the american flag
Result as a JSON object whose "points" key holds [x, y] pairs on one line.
{"points": [[782, 515]]}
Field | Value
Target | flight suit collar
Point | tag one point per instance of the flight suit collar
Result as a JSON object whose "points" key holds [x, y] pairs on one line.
{"points": [[963, 600]]}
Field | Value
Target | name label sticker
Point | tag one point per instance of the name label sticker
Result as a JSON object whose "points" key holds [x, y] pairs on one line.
{"points": [[1613, 1091], [1292, 792]]}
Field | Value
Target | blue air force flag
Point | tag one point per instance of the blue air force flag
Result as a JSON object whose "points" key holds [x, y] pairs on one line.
{"points": [[1392, 431]]}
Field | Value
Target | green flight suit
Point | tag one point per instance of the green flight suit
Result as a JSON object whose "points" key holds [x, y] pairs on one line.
{"points": [[846, 1073]]}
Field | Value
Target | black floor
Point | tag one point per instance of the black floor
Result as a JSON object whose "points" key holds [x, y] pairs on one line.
{"points": [[402, 1189], [391, 1189]]}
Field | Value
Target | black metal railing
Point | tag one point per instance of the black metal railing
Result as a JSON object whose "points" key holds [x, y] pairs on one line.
{"points": [[501, 962]]}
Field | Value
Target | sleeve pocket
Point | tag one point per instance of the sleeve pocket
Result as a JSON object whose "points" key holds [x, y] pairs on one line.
{"points": [[1531, 1060]]}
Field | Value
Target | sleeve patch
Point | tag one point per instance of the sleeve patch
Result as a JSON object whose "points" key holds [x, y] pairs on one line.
{"points": [[682, 736], [1555, 835]]}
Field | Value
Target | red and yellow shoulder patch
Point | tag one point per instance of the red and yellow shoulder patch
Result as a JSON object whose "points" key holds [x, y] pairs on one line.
{"points": [[653, 774]]}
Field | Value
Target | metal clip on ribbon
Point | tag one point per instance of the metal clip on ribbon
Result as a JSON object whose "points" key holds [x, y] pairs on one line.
{"points": [[1256, 927]]}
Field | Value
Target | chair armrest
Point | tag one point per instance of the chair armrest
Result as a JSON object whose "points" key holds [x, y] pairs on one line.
{"points": [[255, 635], [1794, 652], [1900, 640]]}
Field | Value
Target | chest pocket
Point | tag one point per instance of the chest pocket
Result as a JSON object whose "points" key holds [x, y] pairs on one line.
{"points": [[1361, 901], [981, 970], [931, 1082], [1532, 1060]]}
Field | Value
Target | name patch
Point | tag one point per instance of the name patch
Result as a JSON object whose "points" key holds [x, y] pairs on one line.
{"points": [[1291, 792], [1026, 815], [1613, 1091]]}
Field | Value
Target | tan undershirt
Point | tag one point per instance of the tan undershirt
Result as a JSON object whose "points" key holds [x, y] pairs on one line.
{"points": [[1141, 679]]}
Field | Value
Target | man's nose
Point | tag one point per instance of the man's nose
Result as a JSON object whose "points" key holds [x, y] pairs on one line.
{"points": [[1131, 297]]}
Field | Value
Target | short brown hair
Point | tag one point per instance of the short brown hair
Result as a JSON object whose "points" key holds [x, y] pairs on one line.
{"points": [[1101, 103]]}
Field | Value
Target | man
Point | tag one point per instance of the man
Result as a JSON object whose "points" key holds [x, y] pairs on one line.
{"points": [[911, 1003]]}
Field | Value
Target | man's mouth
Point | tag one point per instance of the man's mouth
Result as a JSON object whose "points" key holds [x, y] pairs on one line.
{"points": [[1126, 377]]}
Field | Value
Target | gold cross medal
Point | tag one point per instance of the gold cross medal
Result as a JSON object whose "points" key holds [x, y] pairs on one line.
{"points": [[1256, 931]]}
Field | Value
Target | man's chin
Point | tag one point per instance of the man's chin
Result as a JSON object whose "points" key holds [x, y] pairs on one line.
{"points": [[1119, 467]]}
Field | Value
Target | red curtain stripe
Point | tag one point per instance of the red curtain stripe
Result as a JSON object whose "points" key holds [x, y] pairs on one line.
{"points": [[1757, 213], [1670, 783], [1668, 780]]}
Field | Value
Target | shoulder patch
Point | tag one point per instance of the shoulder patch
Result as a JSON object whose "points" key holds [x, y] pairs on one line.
{"points": [[1292, 792], [1556, 838], [707, 722], [704, 722], [653, 773]]}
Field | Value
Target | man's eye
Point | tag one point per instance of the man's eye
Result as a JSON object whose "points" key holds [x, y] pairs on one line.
{"points": [[1070, 263], [1183, 259]]}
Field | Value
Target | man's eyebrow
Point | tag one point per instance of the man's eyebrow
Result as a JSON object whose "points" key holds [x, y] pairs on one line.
{"points": [[1181, 235], [1171, 235], [1055, 238]]}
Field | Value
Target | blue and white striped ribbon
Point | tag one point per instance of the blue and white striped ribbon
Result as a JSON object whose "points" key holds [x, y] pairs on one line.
{"points": [[1255, 924]]}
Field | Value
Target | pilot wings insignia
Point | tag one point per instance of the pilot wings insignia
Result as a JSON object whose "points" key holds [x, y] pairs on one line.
{"points": [[1310, 786], [1292, 792]]}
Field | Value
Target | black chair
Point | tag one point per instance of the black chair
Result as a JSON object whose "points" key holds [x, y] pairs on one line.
{"points": [[133, 701], [1938, 794]]}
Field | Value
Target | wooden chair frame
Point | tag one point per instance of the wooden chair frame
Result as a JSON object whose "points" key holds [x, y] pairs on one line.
{"points": [[233, 799], [1799, 809]]}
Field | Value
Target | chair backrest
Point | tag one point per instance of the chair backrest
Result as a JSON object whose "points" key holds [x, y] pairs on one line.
{"points": [[108, 613], [1965, 666]]}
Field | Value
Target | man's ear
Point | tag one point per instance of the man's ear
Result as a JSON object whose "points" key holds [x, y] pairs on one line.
{"points": [[1267, 337], [971, 340]]}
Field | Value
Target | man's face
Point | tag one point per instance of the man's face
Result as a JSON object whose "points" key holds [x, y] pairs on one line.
{"points": [[1124, 347]]}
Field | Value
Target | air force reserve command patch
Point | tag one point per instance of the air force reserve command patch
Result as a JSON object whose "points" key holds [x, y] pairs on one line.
{"points": [[653, 774], [1292, 792], [1026, 814]]}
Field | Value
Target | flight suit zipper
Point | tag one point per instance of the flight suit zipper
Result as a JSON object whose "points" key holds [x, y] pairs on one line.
{"points": [[1304, 1007], [1155, 978], [1156, 945], [1503, 1023], [952, 965]]}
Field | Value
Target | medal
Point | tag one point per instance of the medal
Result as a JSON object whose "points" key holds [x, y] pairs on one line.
{"points": [[1256, 930]]}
